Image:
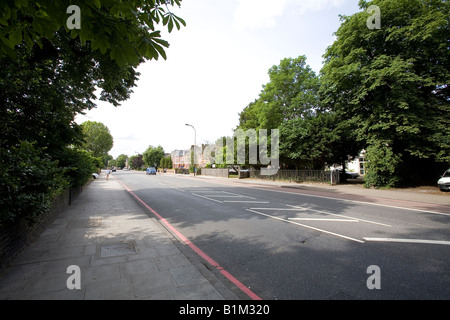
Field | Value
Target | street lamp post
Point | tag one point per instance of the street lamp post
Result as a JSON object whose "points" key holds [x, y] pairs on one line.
{"points": [[195, 142]]}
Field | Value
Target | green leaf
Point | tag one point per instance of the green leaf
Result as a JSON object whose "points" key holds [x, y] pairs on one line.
{"points": [[8, 43], [160, 50], [97, 4], [16, 37], [170, 26], [151, 52], [41, 14], [180, 20]]}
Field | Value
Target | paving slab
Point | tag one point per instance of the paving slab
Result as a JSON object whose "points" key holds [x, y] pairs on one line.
{"points": [[121, 252]]}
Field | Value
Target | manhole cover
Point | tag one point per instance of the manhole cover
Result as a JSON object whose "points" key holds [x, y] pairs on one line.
{"points": [[84, 223], [117, 249]]}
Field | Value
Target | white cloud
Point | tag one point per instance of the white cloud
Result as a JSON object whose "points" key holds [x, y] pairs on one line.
{"points": [[304, 6], [255, 14], [258, 13]]}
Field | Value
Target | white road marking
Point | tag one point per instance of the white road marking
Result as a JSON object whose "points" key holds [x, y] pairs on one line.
{"points": [[228, 196], [323, 219], [198, 195], [297, 208], [408, 240], [305, 226], [348, 200], [246, 201], [345, 216]]}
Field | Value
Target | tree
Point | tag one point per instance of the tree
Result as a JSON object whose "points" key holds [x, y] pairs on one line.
{"points": [[98, 139], [136, 161], [290, 93], [311, 136], [50, 73], [315, 141], [392, 83], [121, 160], [106, 158], [152, 156], [166, 162], [125, 31]]}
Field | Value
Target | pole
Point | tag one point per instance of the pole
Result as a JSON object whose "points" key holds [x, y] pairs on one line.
{"points": [[195, 142]]}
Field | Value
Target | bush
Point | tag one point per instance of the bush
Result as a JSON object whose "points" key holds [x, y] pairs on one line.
{"points": [[29, 181], [79, 165], [30, 178], [382, 166]]}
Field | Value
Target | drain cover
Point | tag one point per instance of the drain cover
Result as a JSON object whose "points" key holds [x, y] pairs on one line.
{"points": [[117, 249]]}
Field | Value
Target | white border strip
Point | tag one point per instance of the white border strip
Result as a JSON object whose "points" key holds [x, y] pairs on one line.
{"points": [[322, 219], [408, 240]]}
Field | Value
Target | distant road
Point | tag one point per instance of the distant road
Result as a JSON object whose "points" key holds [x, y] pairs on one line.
{"points": [[293, 244]]}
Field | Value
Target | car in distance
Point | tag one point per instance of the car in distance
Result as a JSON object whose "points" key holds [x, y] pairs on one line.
{"points": [[151, 170], [444, 181], [95, 175]]}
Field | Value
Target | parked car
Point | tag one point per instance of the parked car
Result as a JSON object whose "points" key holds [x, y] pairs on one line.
{"points": [[94, 176], [151, 170], [444, 181], [349, 175]]}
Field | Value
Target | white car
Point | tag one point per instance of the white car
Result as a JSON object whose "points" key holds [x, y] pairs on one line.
{"points": [[444, 182], [95, 176]]}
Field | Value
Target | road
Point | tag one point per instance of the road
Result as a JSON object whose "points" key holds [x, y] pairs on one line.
{"points": [[280, 243]]}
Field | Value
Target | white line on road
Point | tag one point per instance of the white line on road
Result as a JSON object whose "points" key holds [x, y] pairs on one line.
{"points": [[228, 196], [349, 200], [246, 201], [198, 195], [341, 215], [323, 219], [305, 226], [239, 195], [408, 240]]}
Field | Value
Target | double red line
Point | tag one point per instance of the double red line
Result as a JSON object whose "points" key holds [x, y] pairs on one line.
{"points": [[196, 249]]}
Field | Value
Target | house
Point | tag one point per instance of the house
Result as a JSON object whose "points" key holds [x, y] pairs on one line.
{"points": [[358, 164], [181, 159]]}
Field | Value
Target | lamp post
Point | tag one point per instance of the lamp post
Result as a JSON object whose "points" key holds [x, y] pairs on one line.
{"points": [[195, 142]]}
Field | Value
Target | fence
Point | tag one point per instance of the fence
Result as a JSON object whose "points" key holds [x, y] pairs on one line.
{"points": [[299, 175], [215, 172]]}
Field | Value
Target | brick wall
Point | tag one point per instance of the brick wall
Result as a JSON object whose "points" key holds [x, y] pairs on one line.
{"points": [[16, 236]]}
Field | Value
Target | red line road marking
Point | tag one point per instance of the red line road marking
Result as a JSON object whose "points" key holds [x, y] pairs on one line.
{"points": [[196, 249]]}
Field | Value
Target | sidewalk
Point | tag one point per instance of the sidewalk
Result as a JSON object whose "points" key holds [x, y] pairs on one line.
{"points": [[122, 253]]}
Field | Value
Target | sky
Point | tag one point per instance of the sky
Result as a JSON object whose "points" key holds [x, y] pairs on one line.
{"points": [[215, 67]]}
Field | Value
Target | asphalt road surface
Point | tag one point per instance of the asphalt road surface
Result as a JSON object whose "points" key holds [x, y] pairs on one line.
{"points": [[282, 243]]}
